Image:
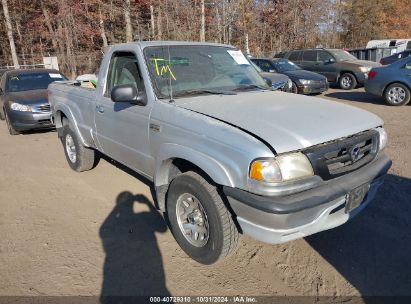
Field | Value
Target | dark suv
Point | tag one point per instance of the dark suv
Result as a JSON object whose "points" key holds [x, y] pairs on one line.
{"points": [[337, 65]]}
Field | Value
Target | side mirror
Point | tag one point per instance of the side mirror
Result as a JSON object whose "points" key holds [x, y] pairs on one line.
{"points": [[128, 93], [269, 82]]}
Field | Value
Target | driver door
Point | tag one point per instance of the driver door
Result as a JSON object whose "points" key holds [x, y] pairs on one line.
{"points": [[122, 127]]}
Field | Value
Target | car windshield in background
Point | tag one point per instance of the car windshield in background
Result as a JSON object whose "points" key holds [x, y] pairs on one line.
{"points": [[341, 55], [31, 81], [194, 70], [283, 65]]}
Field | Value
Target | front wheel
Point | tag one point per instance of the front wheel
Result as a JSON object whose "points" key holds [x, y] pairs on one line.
{"points": [[10, 127], [2, 114], [78, 157], [347, 81], [199, 219], [294, 88], [397, 94]]}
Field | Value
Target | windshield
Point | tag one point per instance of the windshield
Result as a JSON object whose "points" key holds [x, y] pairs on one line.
{"points": [[32, 81], [341, 55], [192, 70], [283, 65]]}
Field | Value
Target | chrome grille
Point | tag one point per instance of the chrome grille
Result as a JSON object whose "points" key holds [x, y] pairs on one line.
{"points": [[44, 108], [337, 158]]}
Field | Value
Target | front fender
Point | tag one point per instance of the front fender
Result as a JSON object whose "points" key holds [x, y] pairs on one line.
{"points": [[213, 168]]}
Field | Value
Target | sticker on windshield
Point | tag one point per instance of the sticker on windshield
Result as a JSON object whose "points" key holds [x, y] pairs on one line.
{"points": [[238, 57], [162, 67], [55, 75]]}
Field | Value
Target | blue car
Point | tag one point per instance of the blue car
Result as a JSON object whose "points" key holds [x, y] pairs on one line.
{"points": [[393, 82]]}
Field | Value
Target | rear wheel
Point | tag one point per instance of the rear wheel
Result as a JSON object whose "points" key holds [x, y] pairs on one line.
{"points": [[78, 157], [347, 81], [199, 219], [397, 94], [10, 127]]}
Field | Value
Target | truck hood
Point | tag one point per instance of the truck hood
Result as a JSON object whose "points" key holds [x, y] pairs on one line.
{"points": [[288, 122]]}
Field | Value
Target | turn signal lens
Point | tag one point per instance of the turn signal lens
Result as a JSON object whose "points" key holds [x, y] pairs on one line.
{"points": [[266, 170]]}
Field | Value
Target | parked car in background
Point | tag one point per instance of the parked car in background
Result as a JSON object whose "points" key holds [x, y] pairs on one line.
{"points": [[279, 82], [393, 82], [395, 57], [337, 65], [23, 99], [303, 82], [226, 154]]}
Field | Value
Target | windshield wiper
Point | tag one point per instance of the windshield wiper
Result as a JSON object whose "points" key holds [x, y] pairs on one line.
{"points": [[247, 87], [203, 91]]}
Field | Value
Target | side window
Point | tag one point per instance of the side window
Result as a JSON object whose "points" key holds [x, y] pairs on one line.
{"points": [[310, 56], [295, 56], [264, 65], [123, 69], [324, 56]]}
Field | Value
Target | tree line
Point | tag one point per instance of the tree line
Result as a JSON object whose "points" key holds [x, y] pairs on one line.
{"points": [[78, 31]]}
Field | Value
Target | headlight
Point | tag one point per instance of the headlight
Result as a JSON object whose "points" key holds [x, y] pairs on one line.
{"points": [[281, 168], [278, 85], [383, 138], [305, 81], [365, 69], [20, 107]]}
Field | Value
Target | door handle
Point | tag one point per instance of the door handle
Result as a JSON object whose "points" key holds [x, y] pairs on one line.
{"points": [[100, 108]]}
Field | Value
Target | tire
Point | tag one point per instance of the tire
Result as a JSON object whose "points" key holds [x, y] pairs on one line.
{"points": [[217, 242], [10, 127], [397, 94], [81, 158], [347, 81], [294, 88]]}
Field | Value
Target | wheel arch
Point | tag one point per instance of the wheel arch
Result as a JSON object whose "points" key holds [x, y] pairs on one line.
{"points": [[61, 117], [172, 164]]}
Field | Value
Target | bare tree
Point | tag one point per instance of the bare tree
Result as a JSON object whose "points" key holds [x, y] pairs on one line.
{"points": [[129, 28], [10, 34], [202, 30]]}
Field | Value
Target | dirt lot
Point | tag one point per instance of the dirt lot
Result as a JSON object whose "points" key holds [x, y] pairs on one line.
{"points": [[61, 233]]}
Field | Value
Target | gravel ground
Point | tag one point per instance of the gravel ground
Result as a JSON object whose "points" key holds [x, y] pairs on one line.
{"points": [[62, 233]]}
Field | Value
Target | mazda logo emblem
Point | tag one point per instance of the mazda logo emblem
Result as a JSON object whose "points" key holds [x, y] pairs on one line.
{"points": [[355, 153]]}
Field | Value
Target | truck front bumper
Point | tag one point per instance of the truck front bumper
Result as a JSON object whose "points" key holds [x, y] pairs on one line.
{"points": [[284, 218]]}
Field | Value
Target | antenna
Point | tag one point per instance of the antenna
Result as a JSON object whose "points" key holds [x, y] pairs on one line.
{"points": [[169, 76]]}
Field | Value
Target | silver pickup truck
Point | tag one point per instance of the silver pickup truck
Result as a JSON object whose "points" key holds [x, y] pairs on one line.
{"points": [[226, 154]]}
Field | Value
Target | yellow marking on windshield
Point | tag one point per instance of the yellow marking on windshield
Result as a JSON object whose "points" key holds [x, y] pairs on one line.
{"points": [[164, 69]]}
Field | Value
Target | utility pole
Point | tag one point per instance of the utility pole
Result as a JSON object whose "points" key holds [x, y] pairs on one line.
{"points": [[202, 31], [10, 34]]}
